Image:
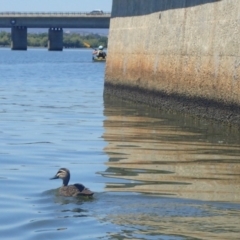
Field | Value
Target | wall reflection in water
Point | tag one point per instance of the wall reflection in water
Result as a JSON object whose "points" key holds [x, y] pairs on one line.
{"points": [[165, 153], [169, 176]]}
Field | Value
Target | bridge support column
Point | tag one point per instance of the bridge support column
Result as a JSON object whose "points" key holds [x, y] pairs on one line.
{"points": [[55, 39], [19, 38]]}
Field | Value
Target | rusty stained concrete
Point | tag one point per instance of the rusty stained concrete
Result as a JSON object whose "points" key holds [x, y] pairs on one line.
{"points": [[189, 76], [192, 53]]}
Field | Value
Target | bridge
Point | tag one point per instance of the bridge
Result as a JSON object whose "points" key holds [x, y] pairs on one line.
{"points": [[19, 22]]}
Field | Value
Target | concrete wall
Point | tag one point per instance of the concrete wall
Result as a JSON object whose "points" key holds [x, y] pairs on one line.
{"points": [[178, 53]]}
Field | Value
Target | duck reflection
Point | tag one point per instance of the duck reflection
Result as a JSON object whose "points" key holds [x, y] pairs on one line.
{"points": [[72, 207], [66, 207]]}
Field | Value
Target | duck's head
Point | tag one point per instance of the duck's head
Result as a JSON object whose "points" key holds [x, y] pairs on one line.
{"points": [[64, 174]]}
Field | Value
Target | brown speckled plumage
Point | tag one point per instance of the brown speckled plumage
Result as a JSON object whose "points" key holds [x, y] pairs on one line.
{"points": [[70, 190]]}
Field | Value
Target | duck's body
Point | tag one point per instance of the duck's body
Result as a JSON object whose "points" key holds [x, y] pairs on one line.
{"points": [[75, 190], [70, 190]]}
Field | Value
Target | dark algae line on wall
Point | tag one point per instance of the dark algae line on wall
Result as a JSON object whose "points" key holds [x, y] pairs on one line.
{"points": [[199, 107]]}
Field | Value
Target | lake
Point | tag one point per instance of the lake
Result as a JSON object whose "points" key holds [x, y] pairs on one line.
{"points": [[155, 174]]}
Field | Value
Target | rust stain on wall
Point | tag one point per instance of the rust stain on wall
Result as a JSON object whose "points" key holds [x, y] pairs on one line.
{"points": [[189, 75]]}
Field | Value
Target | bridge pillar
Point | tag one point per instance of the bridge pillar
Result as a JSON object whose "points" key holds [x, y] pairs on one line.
{"points": [[19, 38], [55, 39]]}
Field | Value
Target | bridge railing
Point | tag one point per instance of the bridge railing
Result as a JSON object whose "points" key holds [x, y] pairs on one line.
{"points": [[22, 14]]}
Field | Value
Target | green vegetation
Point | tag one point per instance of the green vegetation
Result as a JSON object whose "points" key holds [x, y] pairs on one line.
{"points": [[75, 40], [37, 40], [5, 39], [71, 40]]}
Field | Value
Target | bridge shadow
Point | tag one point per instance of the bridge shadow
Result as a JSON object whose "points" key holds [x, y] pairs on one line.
{"points": [[124, 8]]}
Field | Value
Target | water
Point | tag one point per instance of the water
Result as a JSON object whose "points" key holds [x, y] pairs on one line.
{"points": [[156, 175]]}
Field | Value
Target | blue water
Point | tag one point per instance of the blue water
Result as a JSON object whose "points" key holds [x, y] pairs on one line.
{"points": [[156, 175]]}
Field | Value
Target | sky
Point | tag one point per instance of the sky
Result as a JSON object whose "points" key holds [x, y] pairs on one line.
{"points": [[54, 5]]}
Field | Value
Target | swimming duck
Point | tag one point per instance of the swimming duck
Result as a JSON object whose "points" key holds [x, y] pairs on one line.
{"points": [[74, 190]]}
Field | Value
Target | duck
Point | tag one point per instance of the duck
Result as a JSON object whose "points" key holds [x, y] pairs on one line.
{"points": [[74, 190]]}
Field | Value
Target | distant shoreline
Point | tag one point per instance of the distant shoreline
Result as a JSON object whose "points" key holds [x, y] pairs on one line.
{"points": [[81, 31]]}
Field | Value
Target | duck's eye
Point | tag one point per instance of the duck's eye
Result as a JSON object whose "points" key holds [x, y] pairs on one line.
{"points": [[60, 172]]}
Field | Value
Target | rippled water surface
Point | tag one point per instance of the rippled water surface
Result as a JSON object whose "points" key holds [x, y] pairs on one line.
{"points": [[156, 175]]}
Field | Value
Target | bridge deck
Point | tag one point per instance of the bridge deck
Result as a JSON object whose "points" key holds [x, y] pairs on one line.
{"points": [[52, 14], [54, 19]]}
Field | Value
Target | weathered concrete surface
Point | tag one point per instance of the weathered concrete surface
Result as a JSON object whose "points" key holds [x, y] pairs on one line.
{"points": [[181, 54]]}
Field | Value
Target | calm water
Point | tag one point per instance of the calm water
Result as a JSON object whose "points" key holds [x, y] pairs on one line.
{"points": [[156, 175]]}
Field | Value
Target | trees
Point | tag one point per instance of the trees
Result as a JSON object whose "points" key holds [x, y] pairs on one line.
{"points": [[37, 40], [70, 40], [5, 39], [75, 40]]}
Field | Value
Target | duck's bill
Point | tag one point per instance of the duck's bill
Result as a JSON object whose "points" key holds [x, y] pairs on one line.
{"points": [[55, 177]]}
